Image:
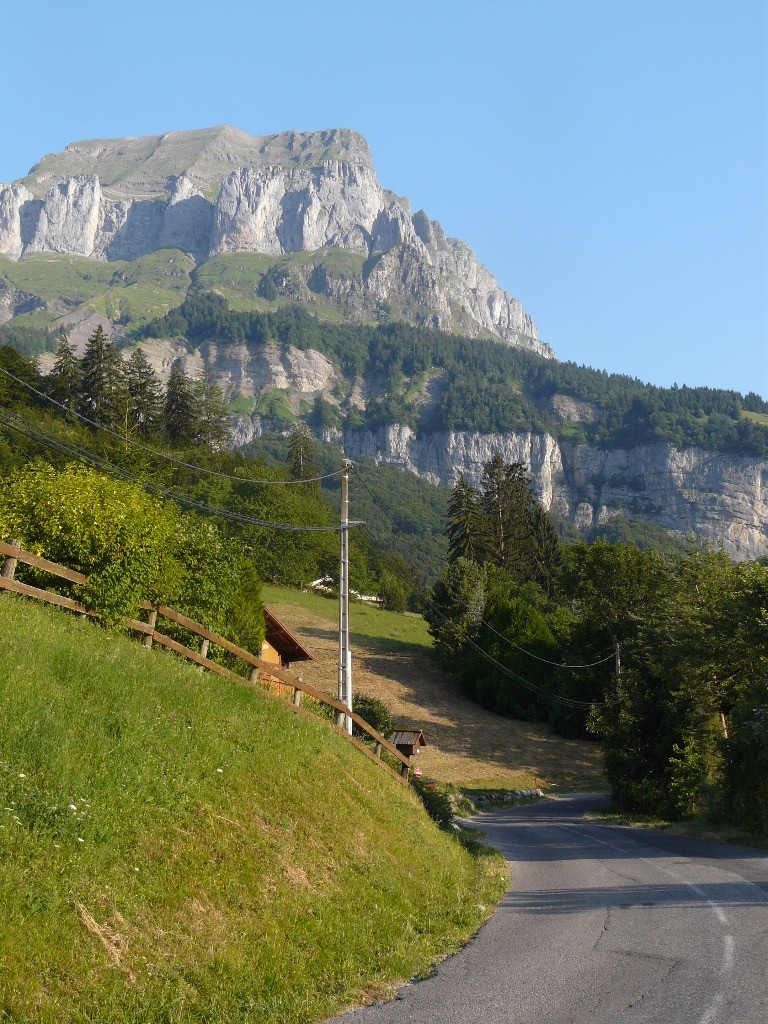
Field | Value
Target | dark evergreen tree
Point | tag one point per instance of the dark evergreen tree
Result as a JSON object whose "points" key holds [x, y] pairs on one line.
{"points": [[545, 554], [102, 388], [301, 453], [507, 501], [211, 413], [144, 392], [179, 410], [64, 381], [466, 528]]}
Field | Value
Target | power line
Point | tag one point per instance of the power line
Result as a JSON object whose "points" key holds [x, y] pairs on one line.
{"points": [[162, 455], [42, 437], [530, 654]]}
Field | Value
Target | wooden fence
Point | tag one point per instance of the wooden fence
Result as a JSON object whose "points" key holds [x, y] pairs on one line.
{"points": [[14, 554]]}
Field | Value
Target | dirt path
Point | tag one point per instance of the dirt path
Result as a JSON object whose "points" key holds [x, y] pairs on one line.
{"points": [[466, 744]]}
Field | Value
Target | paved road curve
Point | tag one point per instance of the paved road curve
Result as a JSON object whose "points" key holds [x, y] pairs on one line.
{"points": [[602, 923]]}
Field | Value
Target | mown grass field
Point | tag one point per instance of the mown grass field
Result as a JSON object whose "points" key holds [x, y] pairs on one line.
{"points": [[466, 744], [175, 847]]}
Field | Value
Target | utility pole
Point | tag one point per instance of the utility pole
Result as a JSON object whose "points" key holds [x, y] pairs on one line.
{"points": [[618, 659], [345, 653]]}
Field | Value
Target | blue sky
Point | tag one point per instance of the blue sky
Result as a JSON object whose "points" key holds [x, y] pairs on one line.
{"points": [[607, 159]]}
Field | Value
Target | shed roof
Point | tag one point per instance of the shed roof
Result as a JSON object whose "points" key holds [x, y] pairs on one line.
{"points": [[282, 639], [408, 737]]}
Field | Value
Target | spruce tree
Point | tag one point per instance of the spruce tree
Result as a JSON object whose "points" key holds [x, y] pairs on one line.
{"points": [[211, 413], [146, 401], [301, 453], [465, 524], [508, 503], [546, 556], [179, 409], [64, 381], [102, 389]]}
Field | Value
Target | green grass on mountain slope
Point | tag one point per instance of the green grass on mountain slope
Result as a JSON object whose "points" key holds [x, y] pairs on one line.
{"points": [[137, 290], [177, 847], [120, 290], [53, 277], [238, 277]]}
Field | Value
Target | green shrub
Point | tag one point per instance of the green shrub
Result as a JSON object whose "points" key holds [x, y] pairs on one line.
{"points": [[393, 592], [746, 764], [109, 530], [436, 802], [374, 711], [218, 585], [133, 548]]}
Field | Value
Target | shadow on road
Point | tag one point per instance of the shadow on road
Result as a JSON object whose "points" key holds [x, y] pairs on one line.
{"points": [[666, 894]]}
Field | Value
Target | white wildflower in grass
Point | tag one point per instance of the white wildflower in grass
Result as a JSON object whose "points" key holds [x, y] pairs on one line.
{"points": [[22, 775], [220, 770], [80, 839], [73, 807]]}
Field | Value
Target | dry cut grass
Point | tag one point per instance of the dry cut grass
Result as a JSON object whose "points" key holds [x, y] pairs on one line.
{"points": [[467, 745]]}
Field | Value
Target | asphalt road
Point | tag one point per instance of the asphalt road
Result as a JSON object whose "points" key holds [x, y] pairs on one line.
{"points": [[603, 923]]}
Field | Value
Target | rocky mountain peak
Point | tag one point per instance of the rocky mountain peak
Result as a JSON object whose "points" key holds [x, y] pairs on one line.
{"points": [[148, 166], [218, 192]]}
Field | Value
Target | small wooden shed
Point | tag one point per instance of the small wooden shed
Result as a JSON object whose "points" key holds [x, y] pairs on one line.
{"points": [[281, 649], [408, 741], [280, 646]]}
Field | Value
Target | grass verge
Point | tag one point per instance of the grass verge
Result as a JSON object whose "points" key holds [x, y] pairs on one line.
{"points": [[694, 829], [175, 847]]}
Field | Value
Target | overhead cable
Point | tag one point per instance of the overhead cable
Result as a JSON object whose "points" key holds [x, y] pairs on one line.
{"points": [[40, 436], [162, 455]]}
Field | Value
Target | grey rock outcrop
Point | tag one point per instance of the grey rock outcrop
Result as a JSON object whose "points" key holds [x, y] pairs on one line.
{"points": [[722, 498], [221, 191], [240, 371]]}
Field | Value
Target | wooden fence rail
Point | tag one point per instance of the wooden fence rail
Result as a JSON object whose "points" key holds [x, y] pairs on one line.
{"points": [[14, 554]]}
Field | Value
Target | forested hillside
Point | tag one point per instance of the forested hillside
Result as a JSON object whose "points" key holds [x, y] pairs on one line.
{"points": [[480, 384]]}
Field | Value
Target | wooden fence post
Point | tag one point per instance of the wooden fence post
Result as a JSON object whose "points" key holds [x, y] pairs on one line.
{"points": [[377, 749], [296, 696], [151, 622], [9, 565], [253, 676], [204, 652]]}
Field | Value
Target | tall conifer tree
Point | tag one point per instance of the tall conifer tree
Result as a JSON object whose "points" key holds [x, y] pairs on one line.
{"points": [[64, 380], [102, 381], [301, 453], [466, 529], [211, 413], [179, 412], [146, 401]]}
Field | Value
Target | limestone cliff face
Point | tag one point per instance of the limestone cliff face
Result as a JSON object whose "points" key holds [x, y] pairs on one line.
{"points": [[715, 496], [222, 191], [720, 497]]}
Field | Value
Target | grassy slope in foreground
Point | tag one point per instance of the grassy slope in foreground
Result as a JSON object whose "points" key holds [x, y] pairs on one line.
{"points": [[176, 847]]}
